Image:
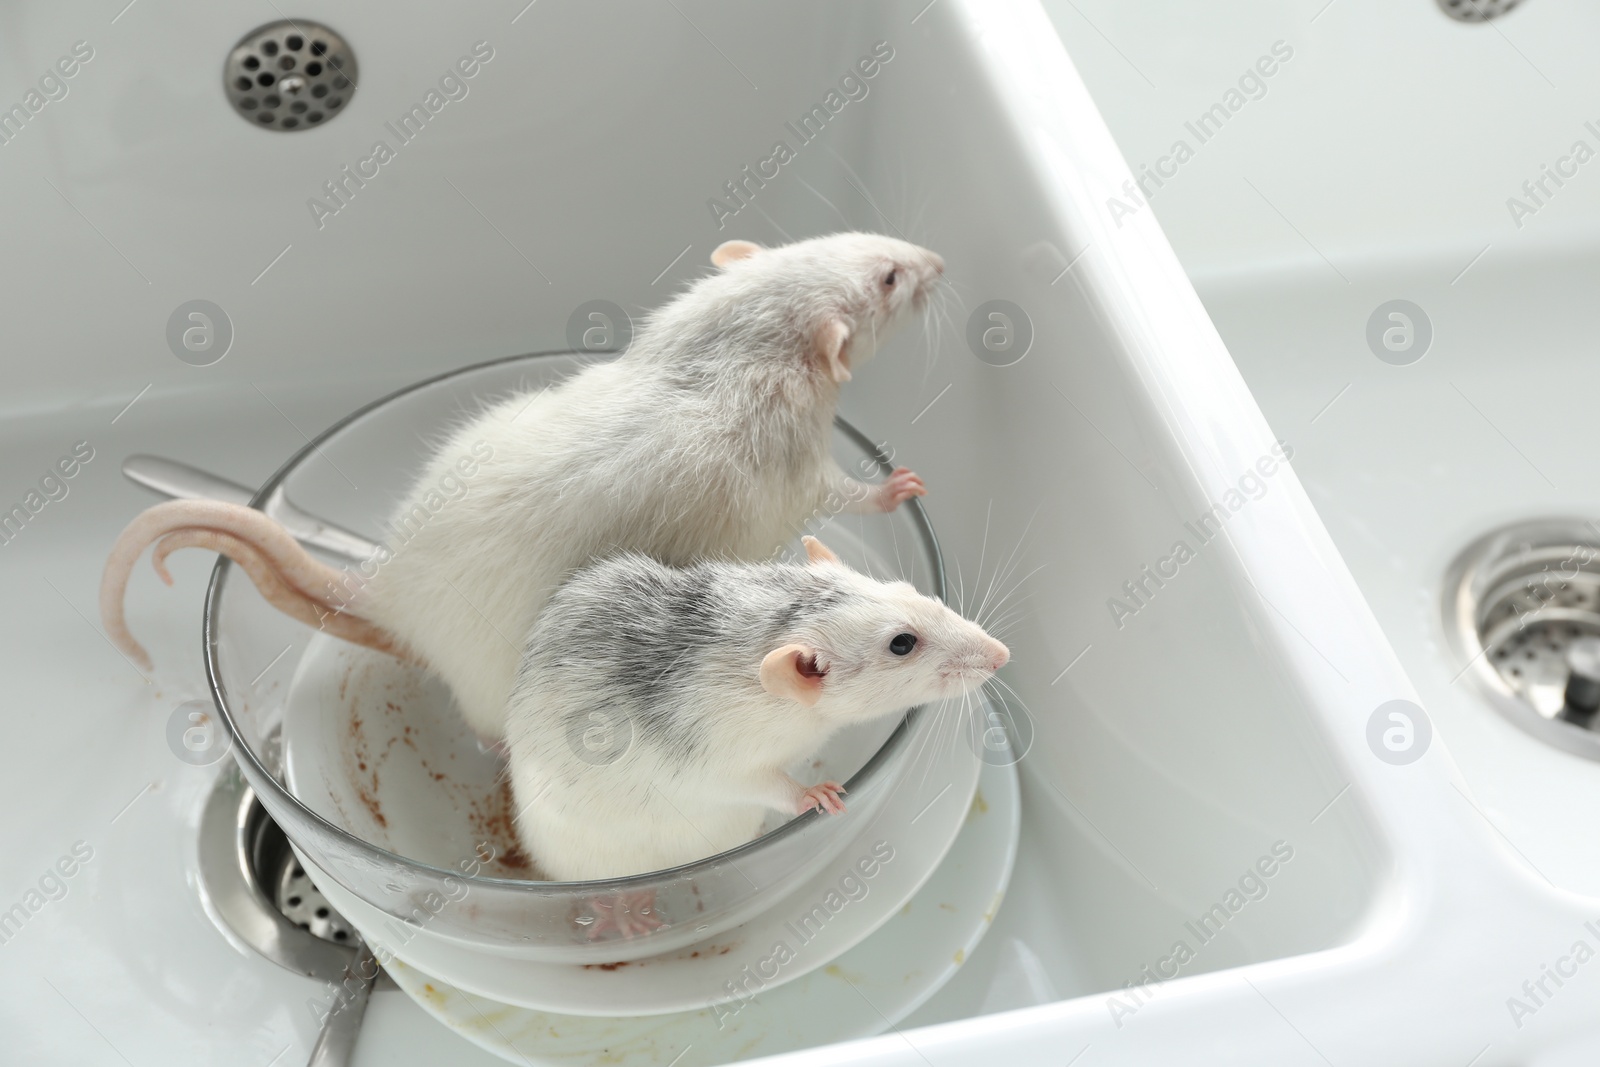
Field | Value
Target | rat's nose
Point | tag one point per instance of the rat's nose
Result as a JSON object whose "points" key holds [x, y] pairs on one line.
{"points": [[938, 262], [998, 654]]}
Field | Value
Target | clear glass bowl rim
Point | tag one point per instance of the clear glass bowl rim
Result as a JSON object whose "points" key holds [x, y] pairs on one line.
{"points": [[263, 781]]}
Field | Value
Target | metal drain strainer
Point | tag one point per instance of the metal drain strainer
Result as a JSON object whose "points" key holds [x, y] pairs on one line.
{"points": [[1476, 10], [1530, 624], [257, 888], [303, 904], [255, 885], [1516, 601], [290, 75]]}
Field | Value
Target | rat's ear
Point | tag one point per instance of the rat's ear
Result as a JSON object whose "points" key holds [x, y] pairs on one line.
{"points": [[833, 347], [817, 552], [731, 251], [792, 672]]}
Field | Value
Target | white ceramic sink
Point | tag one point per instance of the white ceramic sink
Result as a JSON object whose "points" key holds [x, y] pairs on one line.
{"points": [[1202, 745]]}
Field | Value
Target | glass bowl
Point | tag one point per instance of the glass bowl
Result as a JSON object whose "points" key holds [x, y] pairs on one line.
{"points": [[472, 888]]}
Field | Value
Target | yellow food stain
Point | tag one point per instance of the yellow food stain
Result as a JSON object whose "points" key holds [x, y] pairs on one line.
{"points": [[907, 909], [833, 970], [960, 957], [994, 907], [980, 806], [947, 907], [435, 995]]}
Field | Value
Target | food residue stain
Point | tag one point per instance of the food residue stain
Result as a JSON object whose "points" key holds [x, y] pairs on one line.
{"points": [[367, 781], [833, 970], [493, 819]]}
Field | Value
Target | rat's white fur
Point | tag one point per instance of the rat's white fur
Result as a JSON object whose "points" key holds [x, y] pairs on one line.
{"points": [[709, 438], [644, 732]]}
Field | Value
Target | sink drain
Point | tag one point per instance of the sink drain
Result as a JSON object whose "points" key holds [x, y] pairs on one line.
{"points": [[259, 890], [289, 75], [1522, 609], [1476, 10]]}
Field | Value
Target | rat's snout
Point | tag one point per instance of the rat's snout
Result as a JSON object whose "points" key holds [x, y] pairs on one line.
{"points": [[927, 273], [975, 662]]}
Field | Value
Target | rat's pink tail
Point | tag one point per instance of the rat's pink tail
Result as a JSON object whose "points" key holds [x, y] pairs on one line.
{"points": [[283, 572]]}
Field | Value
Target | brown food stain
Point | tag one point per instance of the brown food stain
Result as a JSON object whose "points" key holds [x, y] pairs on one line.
{"points": [[494, 820], [714, 950], [490, 814], [367, 781]]}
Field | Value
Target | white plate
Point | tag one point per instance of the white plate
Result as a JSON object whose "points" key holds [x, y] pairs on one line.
{"points": [[862, 993], [918, 823]]}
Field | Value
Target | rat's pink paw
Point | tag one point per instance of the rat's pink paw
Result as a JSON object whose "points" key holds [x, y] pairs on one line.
{"points": [[824, 796], [629, 914], [901, 486]]}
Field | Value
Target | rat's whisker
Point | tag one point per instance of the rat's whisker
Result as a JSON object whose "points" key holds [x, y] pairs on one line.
{"points": [[994, 609], [1008, 687], [983, 549], [1004, 634], [899, 564], [1019, 704], [923, 742], [1011, 618], [927, 743], [825, 200], [1021, 540], [997, 605], [961, 588]]}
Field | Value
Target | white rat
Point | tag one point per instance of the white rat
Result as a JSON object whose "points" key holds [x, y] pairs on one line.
{"points": [[657, 707], [708, 439]]}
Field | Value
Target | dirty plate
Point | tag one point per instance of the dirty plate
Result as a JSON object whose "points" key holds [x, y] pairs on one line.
{"points": [[889, 857], [861, 993]]}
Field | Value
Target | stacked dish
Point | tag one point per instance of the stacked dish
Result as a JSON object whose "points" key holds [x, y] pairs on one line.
{"points": [[407, 826]]}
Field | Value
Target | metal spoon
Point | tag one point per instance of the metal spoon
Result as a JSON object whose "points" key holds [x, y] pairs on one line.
{"points": [[183, 482], [337, 1042]]}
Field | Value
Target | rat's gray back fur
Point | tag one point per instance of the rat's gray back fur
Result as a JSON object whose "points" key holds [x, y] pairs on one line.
{"points": [[640, 732], [638, 695]]}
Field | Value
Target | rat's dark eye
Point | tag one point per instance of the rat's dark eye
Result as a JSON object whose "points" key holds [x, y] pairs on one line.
{"points": [[888, 279], [902, 644]]}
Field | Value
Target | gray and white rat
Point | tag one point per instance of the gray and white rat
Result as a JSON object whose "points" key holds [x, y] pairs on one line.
{"points": [[657, 707], [709, 438]]}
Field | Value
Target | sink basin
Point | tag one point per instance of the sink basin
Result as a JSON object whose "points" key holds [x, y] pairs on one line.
{"points": [[1263, 821], [1415, 463]]}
